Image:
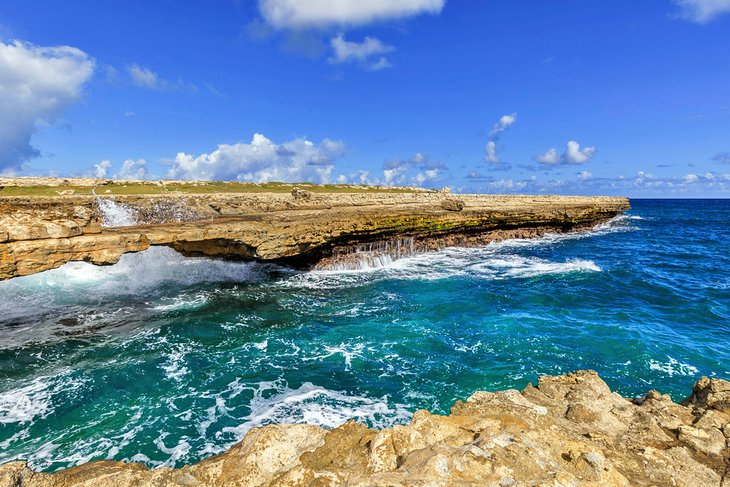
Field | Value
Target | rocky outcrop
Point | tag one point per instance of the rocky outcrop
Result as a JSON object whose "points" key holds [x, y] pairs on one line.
{"points": [[568, 430], [300, 227]]}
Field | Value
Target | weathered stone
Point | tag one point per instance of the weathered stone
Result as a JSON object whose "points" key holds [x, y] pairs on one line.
{"points": [[301, 194], [711, 394], [503, 438], [452, 204], [38, 233]]}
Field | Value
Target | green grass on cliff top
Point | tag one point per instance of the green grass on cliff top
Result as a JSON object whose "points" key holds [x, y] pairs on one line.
{"points": [[118, 187]]}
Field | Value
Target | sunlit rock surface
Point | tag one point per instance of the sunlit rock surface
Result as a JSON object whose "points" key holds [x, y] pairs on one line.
{"points": [[569, 430], [301, 228]]}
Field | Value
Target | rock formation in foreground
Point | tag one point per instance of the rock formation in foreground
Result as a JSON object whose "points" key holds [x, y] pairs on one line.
{"points": [[570, 430], [300, 228]]}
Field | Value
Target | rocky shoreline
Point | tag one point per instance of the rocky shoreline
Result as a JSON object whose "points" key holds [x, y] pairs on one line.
{"points": [[567, 430], [299, 227]]}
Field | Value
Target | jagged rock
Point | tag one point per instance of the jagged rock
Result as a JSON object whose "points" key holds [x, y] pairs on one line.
{"points": [[500, 438], [711, 394], [301, 194]]}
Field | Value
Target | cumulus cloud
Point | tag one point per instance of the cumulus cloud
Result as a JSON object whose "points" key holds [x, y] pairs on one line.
{"points": [[573, 155], [490, 150], [702, 11], [550, 157], [641, 184], [36, 85], [101, 169], [298, 14], [132, 170], [399, 172], [368, 53], [262, 160], [504, 122], [146, 78], [418, 170]]}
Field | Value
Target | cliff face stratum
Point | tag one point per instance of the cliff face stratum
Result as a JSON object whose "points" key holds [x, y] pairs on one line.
{"points": [[298, 227]]}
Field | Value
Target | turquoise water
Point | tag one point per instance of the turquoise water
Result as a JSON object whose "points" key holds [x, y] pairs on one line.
{"points": [[167, 360]]}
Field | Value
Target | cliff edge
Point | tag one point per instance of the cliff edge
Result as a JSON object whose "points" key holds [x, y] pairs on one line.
{"points": [[326, 227]]}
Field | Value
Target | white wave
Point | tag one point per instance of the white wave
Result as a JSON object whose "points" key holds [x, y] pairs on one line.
{"points": [[348, 352], [176, 453], [316, 405], [134, 274], [34, 400], [491, 262], [182, 302], [115, 214], [175, 366], [497, 260], [25, 403], [674, 367], [516, 266]]}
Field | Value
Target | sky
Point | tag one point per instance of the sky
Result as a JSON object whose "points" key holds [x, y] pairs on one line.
{"points": [[613, 97]]}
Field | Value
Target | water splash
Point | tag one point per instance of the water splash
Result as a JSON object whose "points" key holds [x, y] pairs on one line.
{"points": [[116, 214]]}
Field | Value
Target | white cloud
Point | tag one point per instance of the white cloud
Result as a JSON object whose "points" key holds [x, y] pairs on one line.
{"points": [[426, 176], [36, 85], [702, 11], [395, 175], [642, 184], [146, 78], [504, 122], [345, 51], [379, 65], [584, 175], [262, 160], [132, 170], [101, 169], [491, 152], [299, 14], [573, 155], [397, 172], [550, 157], [419, 170]]}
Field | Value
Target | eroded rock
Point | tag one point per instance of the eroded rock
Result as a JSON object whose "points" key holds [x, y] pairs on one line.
{"points": [[527, 437], [38, 233]]}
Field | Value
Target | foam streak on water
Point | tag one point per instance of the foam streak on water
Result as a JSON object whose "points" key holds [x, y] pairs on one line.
{"points": [[166, 360]]}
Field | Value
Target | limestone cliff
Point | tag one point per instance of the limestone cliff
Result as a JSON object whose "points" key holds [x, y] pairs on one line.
{"points": [[299, 227], [569, 430]]}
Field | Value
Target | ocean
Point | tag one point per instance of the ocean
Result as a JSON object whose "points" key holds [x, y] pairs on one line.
{"points": [[166, 360]]}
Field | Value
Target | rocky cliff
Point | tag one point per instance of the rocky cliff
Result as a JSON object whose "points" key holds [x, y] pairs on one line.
{"points": [[298, 227], [569, 430]]}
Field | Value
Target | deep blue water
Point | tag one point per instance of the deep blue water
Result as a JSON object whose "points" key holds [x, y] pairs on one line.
{"points": [[166, 360]]}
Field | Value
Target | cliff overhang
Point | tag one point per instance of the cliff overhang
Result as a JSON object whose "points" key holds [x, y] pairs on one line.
{"points": [[298, 228]]}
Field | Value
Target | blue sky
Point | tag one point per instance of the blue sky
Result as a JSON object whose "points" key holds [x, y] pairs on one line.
{"points": [[570, 97]]}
